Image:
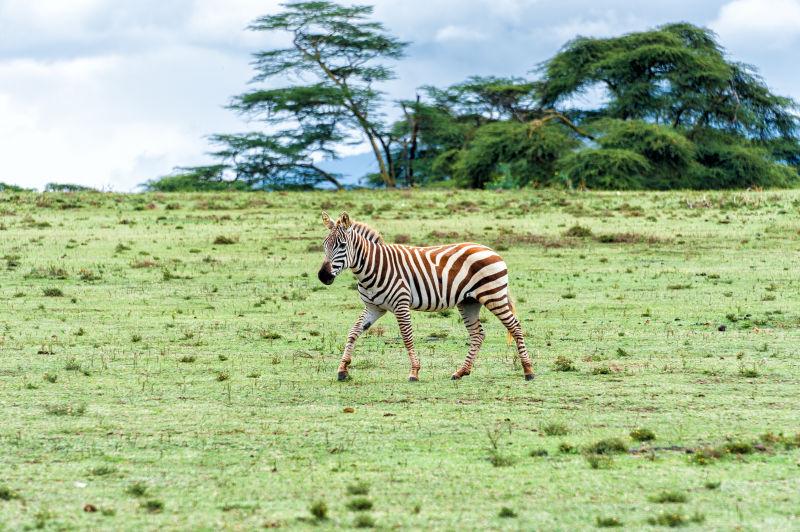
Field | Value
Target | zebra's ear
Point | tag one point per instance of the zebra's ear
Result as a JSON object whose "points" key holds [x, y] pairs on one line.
{"points": [[326, 220], [345, 221]]}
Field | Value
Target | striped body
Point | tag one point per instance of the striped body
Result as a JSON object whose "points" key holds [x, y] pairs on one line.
{"points": [[427, 278], [398, 278]]}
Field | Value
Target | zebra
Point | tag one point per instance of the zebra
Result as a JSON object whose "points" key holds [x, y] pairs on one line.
{"points": [[398, 279]]}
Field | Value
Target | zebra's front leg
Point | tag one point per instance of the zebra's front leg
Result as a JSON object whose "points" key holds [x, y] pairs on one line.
{"points": [[370, 315], [403, 315]]}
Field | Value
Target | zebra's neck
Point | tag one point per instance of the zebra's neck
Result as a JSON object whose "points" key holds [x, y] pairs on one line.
{"points": [[361, 256]]}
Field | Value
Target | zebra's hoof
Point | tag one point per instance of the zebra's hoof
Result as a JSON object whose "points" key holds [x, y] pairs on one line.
{"points": [[413, 379], [456, 377], [342, 376], [529, 376]]}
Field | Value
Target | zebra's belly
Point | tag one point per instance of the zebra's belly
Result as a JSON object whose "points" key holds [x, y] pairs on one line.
{"points": [[416, 301]]}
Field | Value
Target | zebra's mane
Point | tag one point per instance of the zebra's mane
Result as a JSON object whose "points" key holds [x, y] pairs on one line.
{"points": [[368, 232]]}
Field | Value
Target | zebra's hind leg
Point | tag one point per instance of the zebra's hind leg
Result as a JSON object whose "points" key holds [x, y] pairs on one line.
{"points": [[369, 316], [470, 311], [403, 315], [504, 310]]}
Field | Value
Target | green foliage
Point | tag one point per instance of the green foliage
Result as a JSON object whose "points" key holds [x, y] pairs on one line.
{"points": [[670, 155], [510, 155], [606, 168], [6, 187], [698, 119], [677, 114], [729, 163], [67, 187], [199, 179]]}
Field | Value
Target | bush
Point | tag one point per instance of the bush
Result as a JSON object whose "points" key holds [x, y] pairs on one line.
{"points": [[563, 363], [200, 179], [670, 154], [511, 154], [642, 434], [601, 168], [319, 510], [607, 446], [729, 163]]}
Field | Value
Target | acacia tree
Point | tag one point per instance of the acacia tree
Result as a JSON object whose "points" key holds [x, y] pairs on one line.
{"points": [[672, 91], [485, 131], [342, 51], [315, 95]]}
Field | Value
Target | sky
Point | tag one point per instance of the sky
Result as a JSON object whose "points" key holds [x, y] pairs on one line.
{"points": [[111, 93]]}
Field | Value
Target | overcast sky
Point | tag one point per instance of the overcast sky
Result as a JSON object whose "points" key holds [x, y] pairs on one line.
{"points": [[110, 93]]}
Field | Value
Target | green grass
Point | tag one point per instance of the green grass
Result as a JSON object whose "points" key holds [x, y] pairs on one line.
{"points": [[186, 380]]}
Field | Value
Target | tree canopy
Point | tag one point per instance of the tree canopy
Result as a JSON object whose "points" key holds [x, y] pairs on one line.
{"points": [[669, 110]]}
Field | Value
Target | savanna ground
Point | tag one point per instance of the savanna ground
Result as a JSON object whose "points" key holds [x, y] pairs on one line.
{"points": [[169, 361]]}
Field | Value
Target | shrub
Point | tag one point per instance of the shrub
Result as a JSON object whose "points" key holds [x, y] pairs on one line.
{"points": [[738, 447], [607, 446], [599, 461], [554, 429], [670, 154], [153, 506], [226, 240], [319, 510], [364, 521], [359, 488], [668, 497], [507, 513], [600, 168], [359, 504], [579, 231], [642, 434], [137, 489], [7, 494], [563, 363], [510, 154], [608, 522]]}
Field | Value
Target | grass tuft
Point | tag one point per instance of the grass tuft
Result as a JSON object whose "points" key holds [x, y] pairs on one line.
{"points": [[642, 434], [506, 513], [607, 446], [359, 488], [563, 363], [318, 510], [359, 504], [668, 496], [7, 494], [608, 522], [364, 521]]}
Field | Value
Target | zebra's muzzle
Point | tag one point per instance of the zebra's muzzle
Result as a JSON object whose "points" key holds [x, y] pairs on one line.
{"points": [[325, 275]]}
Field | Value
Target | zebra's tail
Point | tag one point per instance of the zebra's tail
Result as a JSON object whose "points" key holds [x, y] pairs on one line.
{"points": [[509, 336]]}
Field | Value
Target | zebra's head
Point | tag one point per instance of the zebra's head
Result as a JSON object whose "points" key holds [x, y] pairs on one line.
{"points": [[335, 247]]}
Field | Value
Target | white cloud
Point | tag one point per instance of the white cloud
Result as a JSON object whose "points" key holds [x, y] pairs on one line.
{"points": [[112, 121], [458, 33], [772, 24], [605, 25]]}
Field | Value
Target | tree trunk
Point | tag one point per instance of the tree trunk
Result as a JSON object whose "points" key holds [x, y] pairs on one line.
{"points": [[388, 179], [412, 152]]}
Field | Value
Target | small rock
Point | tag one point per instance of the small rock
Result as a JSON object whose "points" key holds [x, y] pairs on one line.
{"points": [[348, 410], [722, 328], [89, 508]]}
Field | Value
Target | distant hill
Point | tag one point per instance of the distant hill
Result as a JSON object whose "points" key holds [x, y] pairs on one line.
{"points": [[352, 169]]}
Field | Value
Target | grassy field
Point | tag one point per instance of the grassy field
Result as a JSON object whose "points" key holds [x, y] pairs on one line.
{"points": [[169, 361]]}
